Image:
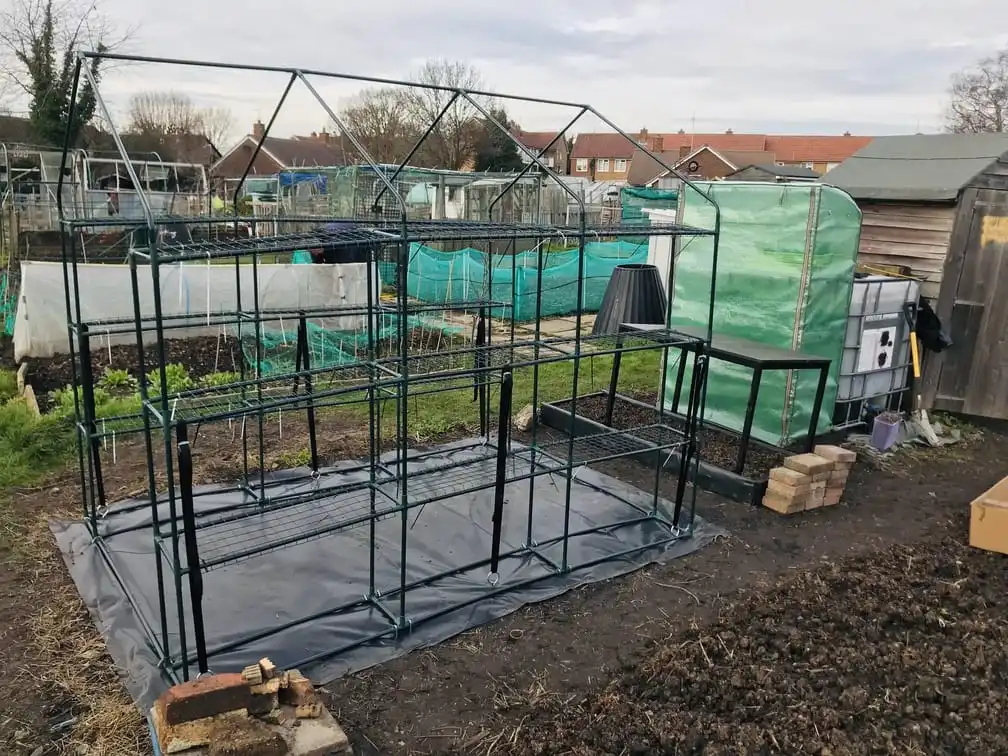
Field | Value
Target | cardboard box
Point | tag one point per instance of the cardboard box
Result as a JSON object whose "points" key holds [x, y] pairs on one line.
{"points": [[989, 519]]}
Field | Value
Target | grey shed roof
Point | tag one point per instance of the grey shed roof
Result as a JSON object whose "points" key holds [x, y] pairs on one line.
{"points": [[921, 167], [784, 171]]}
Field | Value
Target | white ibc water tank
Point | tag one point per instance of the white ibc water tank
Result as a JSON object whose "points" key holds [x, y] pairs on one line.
{"points": [[876, 363]]}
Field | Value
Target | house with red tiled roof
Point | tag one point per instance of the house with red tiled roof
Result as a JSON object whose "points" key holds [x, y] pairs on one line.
{"points": [[280, 154], [556, 149], [609, 157]]}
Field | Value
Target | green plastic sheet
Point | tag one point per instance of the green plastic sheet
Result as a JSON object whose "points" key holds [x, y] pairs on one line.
{"points": [[785, 275], [452, 278]]}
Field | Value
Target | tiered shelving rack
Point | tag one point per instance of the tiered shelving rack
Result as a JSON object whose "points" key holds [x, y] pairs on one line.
{"points": [[191, 540]]}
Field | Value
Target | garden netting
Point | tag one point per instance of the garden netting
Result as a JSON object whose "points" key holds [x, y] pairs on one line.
{"points": [[453, 278], [785, 275]]}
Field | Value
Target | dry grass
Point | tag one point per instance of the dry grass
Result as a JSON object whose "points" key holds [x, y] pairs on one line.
{"points": [[72, 662]]}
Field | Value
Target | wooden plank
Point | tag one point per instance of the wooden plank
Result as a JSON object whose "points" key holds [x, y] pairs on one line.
{"points": [[963, 327], [951, 273], [986, 395]]}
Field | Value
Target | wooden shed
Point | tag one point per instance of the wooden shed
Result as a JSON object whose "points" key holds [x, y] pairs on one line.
{"points": [[938, 205]]}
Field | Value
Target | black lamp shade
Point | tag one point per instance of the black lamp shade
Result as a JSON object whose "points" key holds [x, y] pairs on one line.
{"points": [[634, 295]]}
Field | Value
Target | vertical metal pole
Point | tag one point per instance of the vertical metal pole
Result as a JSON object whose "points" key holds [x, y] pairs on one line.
{"points": [[817, 405], [613, 380], [747, 423], [89, 429], [503, 432], [185, 469], [576, 370], [374, 433], [687, 456], [260, 414], [536, 344], [149, 454], [306, 366]]}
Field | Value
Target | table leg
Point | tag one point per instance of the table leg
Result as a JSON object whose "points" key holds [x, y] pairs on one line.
{"points": [[680, 376], [750, 413], [817, 405], [614, 380]]}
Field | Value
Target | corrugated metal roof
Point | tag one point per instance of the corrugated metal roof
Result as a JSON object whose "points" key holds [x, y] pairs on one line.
{"points": [[921, 167]]}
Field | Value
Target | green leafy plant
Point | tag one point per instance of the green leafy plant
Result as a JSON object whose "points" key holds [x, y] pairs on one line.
{"points": [[118, 381], [8, 385], [299, 458], [62, 400], [176, 378], [223, 378]]}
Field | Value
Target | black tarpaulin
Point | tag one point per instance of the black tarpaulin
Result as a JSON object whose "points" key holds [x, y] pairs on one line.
{"points": [[245, 602]]}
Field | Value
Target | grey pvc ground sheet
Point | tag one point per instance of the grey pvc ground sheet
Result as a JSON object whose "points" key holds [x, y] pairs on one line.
{"points": [[298, 587]]}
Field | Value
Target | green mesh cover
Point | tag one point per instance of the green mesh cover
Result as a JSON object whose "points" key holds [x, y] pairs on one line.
{"points": [[785, 274], [455, 277], [8, 305], [633, 201], [328, 348]]}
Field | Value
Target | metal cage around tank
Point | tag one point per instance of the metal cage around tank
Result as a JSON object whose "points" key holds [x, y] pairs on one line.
{"points": [[393, 483]]}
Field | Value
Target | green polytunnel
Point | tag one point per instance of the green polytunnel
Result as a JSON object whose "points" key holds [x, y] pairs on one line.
{"points": [[786, 260]]}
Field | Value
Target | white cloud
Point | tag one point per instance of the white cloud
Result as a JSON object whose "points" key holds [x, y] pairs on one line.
{"points": [[878, 66]]}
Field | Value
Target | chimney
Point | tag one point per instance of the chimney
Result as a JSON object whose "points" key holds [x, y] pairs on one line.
{"points": [[682, 131], [659, 143], [729, 131], [846, 133], [258, 130], [643, 133]]}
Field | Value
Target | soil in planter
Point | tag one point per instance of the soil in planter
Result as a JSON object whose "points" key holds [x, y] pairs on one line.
{"points": [[719, 447], [200, 356]]}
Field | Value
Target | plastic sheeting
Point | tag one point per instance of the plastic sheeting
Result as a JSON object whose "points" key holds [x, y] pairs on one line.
{"points": [[786, 263], [307, 580], [450, 277], [195, 289]]}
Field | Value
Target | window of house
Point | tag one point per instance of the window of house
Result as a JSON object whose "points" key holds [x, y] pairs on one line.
{"points": [[620, 165], [581, 165], [603, 165]]}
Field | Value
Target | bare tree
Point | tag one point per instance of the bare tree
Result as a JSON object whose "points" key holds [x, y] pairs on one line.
{"points": [[979, 97], [379, 119], [164, 114], [218, 125], [39, 40], [453, 141]]}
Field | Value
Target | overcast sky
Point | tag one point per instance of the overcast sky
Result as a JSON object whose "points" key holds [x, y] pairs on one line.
{"points": [[785, 66]]}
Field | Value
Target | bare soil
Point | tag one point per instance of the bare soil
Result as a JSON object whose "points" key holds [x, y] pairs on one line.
{"points": [[866, 627]]}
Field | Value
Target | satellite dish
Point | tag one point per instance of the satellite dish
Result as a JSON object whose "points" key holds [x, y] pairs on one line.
{"points": [[693, 166]]}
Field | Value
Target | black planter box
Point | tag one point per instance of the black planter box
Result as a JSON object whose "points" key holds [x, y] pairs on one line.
{"points": [[709, 477]]}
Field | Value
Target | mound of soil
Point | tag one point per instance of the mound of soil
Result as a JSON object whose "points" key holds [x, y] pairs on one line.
{"points": [[902, 652]]}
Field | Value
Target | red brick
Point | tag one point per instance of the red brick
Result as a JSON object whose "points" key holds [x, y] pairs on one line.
{"points": [[785, 492], [791, 478], [299, 690], [809, 464], [268, 668], [835, 453], [783, 506], [207, 696], [817, 496]]}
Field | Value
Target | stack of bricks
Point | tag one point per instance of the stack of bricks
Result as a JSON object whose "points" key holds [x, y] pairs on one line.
{"points": [[809, 481], [262, 711]]}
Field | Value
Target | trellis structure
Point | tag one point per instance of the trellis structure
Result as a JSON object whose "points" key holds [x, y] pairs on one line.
{"points": [[196, 530]]}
